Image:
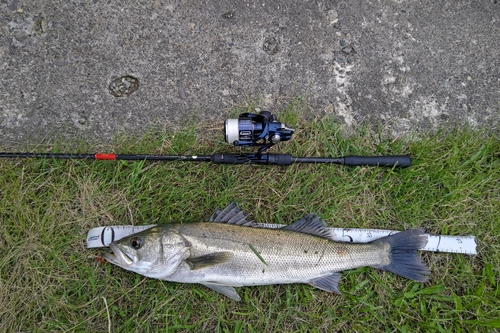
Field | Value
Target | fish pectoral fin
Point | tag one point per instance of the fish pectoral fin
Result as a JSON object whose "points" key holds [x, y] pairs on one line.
{"points": [[223, 289], [328, 283], [208, 260]]}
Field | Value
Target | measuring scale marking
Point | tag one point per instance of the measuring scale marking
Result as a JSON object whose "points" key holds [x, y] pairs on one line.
{"points": [[103, 236]]}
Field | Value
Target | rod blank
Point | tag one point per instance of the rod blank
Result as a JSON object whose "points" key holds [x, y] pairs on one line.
{"points": [[269, 159]]}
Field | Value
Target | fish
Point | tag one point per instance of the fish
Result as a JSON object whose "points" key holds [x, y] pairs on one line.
{"points": [[229, 251]]}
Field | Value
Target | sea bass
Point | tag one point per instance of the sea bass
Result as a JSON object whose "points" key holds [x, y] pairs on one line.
{"points": [[230, 251]]}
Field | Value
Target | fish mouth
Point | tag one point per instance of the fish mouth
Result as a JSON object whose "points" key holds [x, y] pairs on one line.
{"points": [[118, 257]]}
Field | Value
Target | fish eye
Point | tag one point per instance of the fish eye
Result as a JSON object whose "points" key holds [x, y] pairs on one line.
{"points": [[136, 242]]}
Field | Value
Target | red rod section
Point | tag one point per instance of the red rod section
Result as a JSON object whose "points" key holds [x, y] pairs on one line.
{"points": [[110, 157]]}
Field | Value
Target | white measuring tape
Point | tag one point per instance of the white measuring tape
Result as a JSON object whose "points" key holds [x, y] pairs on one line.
{"points": [[102, 236]]}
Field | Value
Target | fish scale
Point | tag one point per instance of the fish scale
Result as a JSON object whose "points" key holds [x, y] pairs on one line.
{"points": [[301, 256]]}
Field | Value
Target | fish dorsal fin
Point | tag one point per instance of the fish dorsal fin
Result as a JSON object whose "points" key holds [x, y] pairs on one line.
{"points": [[232, 214], [310, 224]]}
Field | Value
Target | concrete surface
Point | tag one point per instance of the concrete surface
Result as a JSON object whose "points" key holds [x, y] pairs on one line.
{"points": [[96, 68]]}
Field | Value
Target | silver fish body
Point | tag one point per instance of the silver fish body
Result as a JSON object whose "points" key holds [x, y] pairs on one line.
{"points": [[231, 252]]}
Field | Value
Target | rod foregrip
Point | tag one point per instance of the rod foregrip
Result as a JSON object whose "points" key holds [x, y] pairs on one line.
{"points": [[401, 161]]}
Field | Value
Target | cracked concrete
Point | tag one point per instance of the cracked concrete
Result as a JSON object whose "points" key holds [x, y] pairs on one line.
{"points": [[95, 69]]}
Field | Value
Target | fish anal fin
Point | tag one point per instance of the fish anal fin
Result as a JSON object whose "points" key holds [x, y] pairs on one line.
{"points": [[223, 289], [328, 283], [310, 224], [208, 260]]}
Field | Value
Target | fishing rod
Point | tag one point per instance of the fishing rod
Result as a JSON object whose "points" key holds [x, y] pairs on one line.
{"points": [[249, 129]]}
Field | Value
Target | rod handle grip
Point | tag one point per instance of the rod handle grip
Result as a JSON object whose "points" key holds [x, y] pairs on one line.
{"points": [[400, 161]]}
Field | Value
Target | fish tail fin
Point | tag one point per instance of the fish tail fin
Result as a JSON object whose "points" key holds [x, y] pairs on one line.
{"points": [[405, 260]]}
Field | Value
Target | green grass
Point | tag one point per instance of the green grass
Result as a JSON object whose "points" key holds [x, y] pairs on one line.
{"points": [[49, 281]]}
